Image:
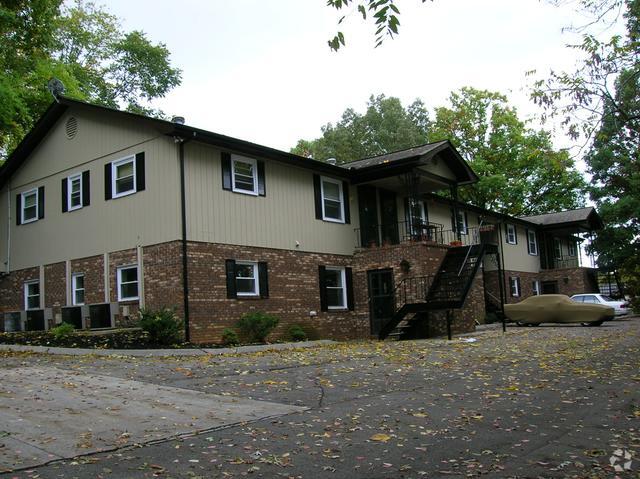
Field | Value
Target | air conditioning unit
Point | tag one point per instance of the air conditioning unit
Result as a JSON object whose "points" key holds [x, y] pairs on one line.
{"points": [[74, 315], [35, 320], [103, 315], [12, 322]]}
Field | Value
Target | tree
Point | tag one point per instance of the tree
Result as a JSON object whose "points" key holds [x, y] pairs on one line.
{"points": [[520, 171], [386, 126], [85, 47], [383, 13]]}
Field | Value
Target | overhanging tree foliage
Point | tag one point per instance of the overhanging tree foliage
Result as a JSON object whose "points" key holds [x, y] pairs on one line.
{"points": [[85, 47]]}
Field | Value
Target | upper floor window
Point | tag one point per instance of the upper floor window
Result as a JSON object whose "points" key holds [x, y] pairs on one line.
{"points": [[512, 236], [77, 289], [557, 248], [32, 295], [29, 211], [75, 191], [331, 199], [127, 283], [462, 224], [532, 242], [243, 175], [124, 177], [572, 250]]}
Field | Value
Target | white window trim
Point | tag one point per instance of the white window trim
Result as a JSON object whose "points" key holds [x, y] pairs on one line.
{"points": [[413, 228], [572, 249], [557, 248], [28, 193], [74, 288], [119, 282], [251, 161], [462, 220], [256, 278], [536, 287], [26, 295], [335, 182], [516, 290], [114, 170], [70, 179], [343, 277], [515, 238], [535, 243]]}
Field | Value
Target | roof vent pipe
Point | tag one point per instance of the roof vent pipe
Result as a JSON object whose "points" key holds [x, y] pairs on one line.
{"points": [[178, 119], [332, 161]]}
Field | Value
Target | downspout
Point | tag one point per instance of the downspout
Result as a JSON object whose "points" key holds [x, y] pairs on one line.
{"points": [[9, 220], [185, 264]]}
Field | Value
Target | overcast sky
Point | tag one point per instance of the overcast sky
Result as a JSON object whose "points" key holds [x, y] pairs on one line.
{"points": [[261, 70]]}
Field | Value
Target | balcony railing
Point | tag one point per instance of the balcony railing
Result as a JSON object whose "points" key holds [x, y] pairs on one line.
{"points": [[404, 232], [562, 263]]}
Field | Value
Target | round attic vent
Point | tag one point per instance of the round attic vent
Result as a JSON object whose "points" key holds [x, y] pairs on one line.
{"points": [[71, 127]]}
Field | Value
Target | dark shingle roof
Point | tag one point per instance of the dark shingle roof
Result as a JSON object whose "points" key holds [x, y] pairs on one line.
{"points": [[569, 216], [394, 156]]}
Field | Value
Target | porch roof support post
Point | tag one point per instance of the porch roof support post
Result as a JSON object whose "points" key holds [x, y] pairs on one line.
{"points": [[454, 196]]}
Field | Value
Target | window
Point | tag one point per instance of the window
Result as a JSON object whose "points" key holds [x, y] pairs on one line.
{"points": [[335, 284], [123, 174], [247, 282], [77, 289], [535, 288], [532, 242], [590, 299], [461, 222], [512, 237], [74, 198], [572, 248], [127, 283], [514, 284], [578, 299], [32, 295], [244, 175], [332, 200], [30, 206], [416, 213], [557, 248]]}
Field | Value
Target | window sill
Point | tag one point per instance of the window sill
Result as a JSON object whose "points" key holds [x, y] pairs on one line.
{"points": [[245, 192], [336, 309], [129, 300], [122, 195], [26, 222], [333, 220]]}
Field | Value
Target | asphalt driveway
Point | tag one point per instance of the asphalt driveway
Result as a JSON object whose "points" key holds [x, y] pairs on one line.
{"points": [[536, 402]]}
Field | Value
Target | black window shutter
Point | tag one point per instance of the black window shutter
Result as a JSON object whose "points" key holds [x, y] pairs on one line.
{"points": [[86, 188], [317, 195], [519, 287], [65, 205], [347, 206], [515, 233], [407, 213], [506, 231], [454, 223], [263, 280], [18, 209], [107, 181], [41, 202], [526, 236], [140, 178], [511, 288], [323, 289], [225, 160], [230, 267], [349, 277], [262, 189], [466, 222]]}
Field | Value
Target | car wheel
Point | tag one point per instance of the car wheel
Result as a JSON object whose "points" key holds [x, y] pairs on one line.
{"points": [[594, 323]]}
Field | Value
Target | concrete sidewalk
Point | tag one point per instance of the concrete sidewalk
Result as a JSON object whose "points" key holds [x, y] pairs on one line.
{"points": [[148, 353]]}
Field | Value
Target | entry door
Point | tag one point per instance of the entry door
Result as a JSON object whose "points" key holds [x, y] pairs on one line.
{"points": [[549, 287], [382, 301]]}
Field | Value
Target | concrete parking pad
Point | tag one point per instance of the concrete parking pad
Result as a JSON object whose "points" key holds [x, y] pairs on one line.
{"points": [[48, 413]]}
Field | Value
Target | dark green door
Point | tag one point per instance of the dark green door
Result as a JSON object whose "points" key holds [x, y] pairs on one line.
{"points": [[368, 211], [389, 217], [381, 298]]}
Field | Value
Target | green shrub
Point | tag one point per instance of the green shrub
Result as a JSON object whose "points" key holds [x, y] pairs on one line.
{"points": [[296, 333], [63, 331], [162, 326], [230, 337], [256, 326]]}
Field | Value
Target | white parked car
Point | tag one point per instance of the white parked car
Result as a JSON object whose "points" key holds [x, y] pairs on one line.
{"points": [[620, 307]]}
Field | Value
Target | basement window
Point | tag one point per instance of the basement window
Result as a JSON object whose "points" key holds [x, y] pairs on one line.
{"points": [[32, 295], [127, 283]]}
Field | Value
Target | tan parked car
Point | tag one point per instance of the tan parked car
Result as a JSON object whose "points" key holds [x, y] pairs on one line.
{"points": [[557, 308]]}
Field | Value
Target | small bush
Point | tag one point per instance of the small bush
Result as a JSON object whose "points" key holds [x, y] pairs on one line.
{"points": [[63, 331], [230, 337], [296, 333], [162, 326], [256, 326]]}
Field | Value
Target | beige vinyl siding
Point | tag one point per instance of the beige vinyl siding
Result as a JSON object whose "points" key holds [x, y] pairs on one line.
{"points": [[284, 216], [148, 217], [516, 256]]}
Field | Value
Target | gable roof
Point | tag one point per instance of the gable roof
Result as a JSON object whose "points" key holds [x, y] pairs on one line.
{"points": [[406, 158], [587, 217], [416, 156]]}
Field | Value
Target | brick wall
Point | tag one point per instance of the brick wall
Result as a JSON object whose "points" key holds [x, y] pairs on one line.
{"points": [[294, 292], [55, 291], [570, 280], [12, 288], [93, 270]]}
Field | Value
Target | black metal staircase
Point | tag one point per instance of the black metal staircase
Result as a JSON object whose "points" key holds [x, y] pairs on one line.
{"points": [[448, 290]]}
